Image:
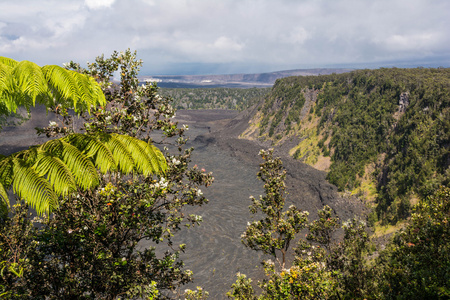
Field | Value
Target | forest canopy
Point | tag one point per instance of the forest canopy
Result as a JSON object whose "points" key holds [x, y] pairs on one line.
{"points": [[394, 122]]}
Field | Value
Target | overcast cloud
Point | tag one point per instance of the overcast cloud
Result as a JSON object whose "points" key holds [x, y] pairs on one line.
{"points": [[230, 36]]}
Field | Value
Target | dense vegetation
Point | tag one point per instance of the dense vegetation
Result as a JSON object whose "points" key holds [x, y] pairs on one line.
{"points": [[414, 265], [89, 247], [394, 122], [213, 98]]}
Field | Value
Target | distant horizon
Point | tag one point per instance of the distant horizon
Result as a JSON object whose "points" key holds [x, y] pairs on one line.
{"points": [[199, 69]]}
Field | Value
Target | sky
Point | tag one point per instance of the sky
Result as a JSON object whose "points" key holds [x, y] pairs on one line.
{"points": [[181, 37]]}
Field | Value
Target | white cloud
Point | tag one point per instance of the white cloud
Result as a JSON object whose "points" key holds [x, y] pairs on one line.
{"points": [[297, 35], [97, 4], [227, 44], [265, 34], [411, 42]]}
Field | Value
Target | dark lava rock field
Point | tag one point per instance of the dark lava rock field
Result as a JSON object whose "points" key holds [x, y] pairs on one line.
{"points": [[214, 250]]}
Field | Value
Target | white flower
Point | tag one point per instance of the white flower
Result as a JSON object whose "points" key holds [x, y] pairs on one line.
{"points": [[175, 161], [199, 192], [269, 262], [52, 124], [185, 127], [162, 183]]}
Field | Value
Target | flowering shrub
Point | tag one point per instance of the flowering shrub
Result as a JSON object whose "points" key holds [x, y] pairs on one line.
{"points": [[91, 246]]}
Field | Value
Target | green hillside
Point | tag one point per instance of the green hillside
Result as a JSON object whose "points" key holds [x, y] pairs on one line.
{"points": [[213, 98], [383, 134]]}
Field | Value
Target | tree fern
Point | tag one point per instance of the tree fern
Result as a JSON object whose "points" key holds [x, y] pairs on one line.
{"points": [[23, 83], [4, 196], [42, 173], [35, 189], [7, 88], [80, 165], [57, 173], [29, 82], [120, 153], [5, 180], [6, 172], [63, 84], [94, 149], [8, 61], [156, 156], [141, 153]]}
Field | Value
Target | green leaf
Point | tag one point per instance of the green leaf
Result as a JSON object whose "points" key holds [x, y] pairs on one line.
{"points": [[56, 171], [36, 190], [63, 83], [23, 83], [30, 82], [95, 149], [8, 61], [3, 196], [120, 152], [7, 88], [145, 159]]}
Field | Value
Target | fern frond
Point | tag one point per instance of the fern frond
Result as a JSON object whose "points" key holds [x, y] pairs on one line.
{"points": [[145, 160], [4, 196], [37, 191], [5, 77], [120, 152], [157, 158], [73, 88], [86, 92], [29, 81], [8, 61], [5, 179], [57, 172], [24, 83], [97, 92], [93, 148], [78, 164], [7, 94], [6, 172], [57, 167], [63, 83]]}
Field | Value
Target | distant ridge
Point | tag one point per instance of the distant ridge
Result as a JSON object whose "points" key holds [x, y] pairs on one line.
{"points": [[235, 80]]}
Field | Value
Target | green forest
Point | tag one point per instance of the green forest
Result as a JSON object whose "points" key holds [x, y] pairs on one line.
{"points": [[388, 125], [90, 195], [213, 98]]}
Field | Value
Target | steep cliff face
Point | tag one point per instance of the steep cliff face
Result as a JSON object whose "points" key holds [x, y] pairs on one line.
{"points": [[384, 134]]}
